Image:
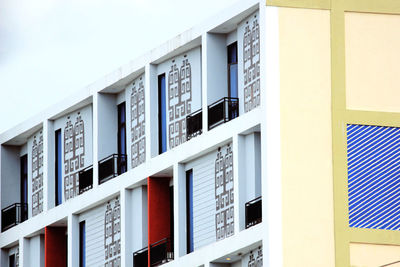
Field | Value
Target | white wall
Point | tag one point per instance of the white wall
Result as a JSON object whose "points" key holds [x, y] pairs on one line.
{"points": [[177, 111], [10, 175], [36, 251], [85, 115], [249, 171], [217, 68], [107, 125], [96, 231], [205, 194], [139, 218], [203, 199]]}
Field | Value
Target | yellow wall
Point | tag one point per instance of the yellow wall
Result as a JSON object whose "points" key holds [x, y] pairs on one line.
{"points": [[368, 255], [372, 61], [306, 132]]}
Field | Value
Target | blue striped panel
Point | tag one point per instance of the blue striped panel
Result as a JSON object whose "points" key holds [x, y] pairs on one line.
{"points": [[373, 166]]}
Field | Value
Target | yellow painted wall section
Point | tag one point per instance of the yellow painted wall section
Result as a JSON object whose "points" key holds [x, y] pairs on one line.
{"points": [[370, 255], [372, 61], [306, 132]]}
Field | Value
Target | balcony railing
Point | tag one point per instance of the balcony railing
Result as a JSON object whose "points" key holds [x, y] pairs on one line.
{"points": [[140, 258], [85, 179], [13, 215], [194, 124], [253, 212], [160, 252], [223, 110], [111, 167]]}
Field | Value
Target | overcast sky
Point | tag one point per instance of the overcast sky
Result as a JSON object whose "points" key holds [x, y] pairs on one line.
{"points": [[49, 49]]}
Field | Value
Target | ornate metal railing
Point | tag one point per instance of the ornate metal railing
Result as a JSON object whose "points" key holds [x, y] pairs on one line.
{"points": [[223, 110], [13, 215], [160, 252], [111, 167], [86, 179], [194, 124], [253, 212]]}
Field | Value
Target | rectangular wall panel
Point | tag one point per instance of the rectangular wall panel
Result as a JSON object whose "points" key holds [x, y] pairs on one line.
{"points": [[77, 147], [183, 93], [103, 234], [249, 62], [35, 172], [373, 154], [212, 196], [137, 119]]}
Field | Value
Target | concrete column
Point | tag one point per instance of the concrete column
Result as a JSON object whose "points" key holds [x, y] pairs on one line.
{"points": [[151, 111], [73, 240], [270, 137], [126, 229], [48, 165], [179, 210], [24, 257], [236, 184], [95, 139], [204, 85]]}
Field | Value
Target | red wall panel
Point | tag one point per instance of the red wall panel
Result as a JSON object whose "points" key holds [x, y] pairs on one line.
{"points": [[158, 204], [55, 242]]}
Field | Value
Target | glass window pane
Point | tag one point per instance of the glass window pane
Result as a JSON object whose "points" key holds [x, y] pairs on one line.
{"points": [[232, 53], [233, 80], [162, 114]]}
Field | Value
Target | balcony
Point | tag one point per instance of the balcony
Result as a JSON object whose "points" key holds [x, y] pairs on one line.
{"points": [[111, 167], [223, 110], [194, 124], [13, 215], [85, 179], [160, 252], [140, 258], [253, 212]]}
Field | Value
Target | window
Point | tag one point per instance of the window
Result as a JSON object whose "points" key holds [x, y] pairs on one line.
{"points": [[58, 174], [121, 136], [162, 116], [189, 210], [82, 244], [232, 70], [24, 183]]}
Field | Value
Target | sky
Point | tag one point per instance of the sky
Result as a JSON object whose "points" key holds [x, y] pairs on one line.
{"points": [[50, 49]]}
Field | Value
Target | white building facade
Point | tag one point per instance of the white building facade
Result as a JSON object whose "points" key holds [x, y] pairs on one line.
{"points": [[164, 161]]}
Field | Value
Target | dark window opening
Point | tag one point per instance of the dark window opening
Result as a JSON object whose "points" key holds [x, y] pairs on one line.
{"points": [[162, 116], [24, 183], [58, 168], [11, 260], [232, 70], [82, 244], [171, 215], [122, 137], [189, 210]]}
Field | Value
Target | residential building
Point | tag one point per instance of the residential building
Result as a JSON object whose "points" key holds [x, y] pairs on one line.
{"points": [[267, 136]]}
